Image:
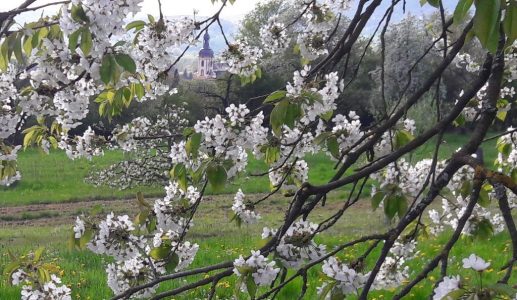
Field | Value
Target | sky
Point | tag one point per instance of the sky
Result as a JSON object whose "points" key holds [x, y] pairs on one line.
{"points": [[233, 12]]}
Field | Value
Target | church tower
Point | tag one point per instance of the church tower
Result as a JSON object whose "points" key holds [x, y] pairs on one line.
{"points": [[205, 67]]}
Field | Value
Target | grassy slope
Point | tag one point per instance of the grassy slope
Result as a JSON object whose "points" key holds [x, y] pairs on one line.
{"points": [[54, 178], [84, 271]]}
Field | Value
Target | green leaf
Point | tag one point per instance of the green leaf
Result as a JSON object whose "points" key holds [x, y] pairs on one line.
{"points": [[465, 189], [326, 290], [504, 148], [126, 62], [4, 61], [327, 116], [510, 22], [455, 295], [138, 90], [272, 155], [391, 206], [275, 96], [73, 39], [172, 263], [435, 3], [501, 115], [38, 253], [137, 25], [216, 176], [278, 115], [251, 286], [108, 68], [322, 137], [514, 175], [193, 144], [179, 173], [78, 14], [486, 22], [237, 287], [86, 41], [484, 198], [461, 10], [142, 216], [402, 206], [333, 147], [377, 199], [294, 112], [9, 269], [18, 48], [43, 274], [27, 46], [402, 138], [160, 253]]}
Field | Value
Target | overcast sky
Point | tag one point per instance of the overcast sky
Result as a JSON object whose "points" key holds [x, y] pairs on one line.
{"points": [[170, 8]]}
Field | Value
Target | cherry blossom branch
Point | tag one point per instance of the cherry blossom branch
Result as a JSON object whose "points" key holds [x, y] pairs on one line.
{"points": [[447, 248]]}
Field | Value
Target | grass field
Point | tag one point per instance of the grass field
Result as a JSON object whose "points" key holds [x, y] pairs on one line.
{"points": [[84, 271], [55, 178]]}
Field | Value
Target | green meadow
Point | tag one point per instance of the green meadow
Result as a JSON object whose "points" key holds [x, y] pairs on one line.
{"points": [[55, 179], [221, 240]]}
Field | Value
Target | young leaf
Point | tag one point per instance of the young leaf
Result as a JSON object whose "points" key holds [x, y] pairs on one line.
{"points": [[160, 253], [126, 62], [484, 198], [86, 41], [78, 14], [377, 199], [294, 111], [277, 95], [402, 137], [179, 172], [486, 22], [510, 22], [107, 69], [137, 25], [333, 146], [272, 155], [391, 206], [172, 263], [251, 286], [38, 253], [435, 3], [277, 117], [402, 206], [193, 144], [73, 39], [216, 176], [18, 48], [461, 10]]}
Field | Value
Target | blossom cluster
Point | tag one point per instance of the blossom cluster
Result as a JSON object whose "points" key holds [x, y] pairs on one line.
{"points": [[453, 283], [242, 58], [262, 271], [53, 289], [244, 209], [274, 35], [348, 280], [297, 246], [394, 270]]}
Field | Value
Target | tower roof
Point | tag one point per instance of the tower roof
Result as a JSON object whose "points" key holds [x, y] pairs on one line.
{"points": [[206, 51]]}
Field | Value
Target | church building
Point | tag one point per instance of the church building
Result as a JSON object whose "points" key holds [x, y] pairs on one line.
{"points": [[205, 64]]}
